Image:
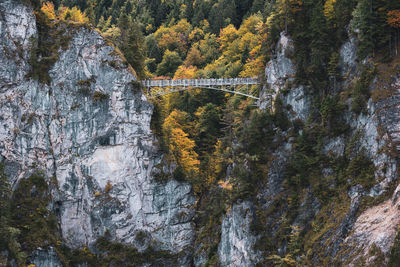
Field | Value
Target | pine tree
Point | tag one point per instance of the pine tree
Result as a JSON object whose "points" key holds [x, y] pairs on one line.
{"points": [[131, 43]]}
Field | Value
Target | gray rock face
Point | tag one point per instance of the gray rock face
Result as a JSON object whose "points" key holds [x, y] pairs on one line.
{"points": [[377, 132], [348, 57], [278, 72], [17, 27], [237, 241], [101, 152], [378, 225], [45, 258]]}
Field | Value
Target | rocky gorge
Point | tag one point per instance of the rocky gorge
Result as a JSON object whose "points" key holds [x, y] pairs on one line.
{"points": [[85, 133]]}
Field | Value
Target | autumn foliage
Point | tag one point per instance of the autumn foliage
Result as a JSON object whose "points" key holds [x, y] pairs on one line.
{"points": [[64, 13], [181, 147], [394, 18]]}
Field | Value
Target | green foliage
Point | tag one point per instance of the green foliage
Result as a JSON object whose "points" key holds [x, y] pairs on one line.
{"points": [[333, 65], [45, 51], [9, 234], [331, 114], [113, 254], [208, 128], [304, 164], [212, 208], [122, 255], [131, 45], [169, 64], [373, 32], [361, 170], [136, 86], [86, 83], [99, 96], [258, 135], [39, 227], [360, 92], [5, 194]]}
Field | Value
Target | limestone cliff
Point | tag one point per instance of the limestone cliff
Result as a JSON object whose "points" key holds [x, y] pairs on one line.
{"points": [[89, 128], [349, 230]]}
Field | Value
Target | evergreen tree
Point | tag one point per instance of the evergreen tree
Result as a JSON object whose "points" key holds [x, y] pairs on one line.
{"points": [[131, 44], [169, 64]]}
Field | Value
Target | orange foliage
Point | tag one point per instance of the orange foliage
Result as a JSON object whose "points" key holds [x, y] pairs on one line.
{"points": [[184, 72], [194, 57], [108, 187], [394, 18], [48, 10], [169, 40], [181, 147]]}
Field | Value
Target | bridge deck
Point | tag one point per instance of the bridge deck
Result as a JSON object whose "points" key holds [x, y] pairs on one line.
{"points": [[200, 82]]}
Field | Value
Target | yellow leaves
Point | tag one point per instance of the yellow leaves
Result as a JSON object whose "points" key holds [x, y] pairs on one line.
{"points": [[181, 147], [196, 35], [48, 10], [394, 18], [296, 5], [183, 26], [253, 67], [241, 50], [329, 9], [285, 260], [248, 41], [184, 72], [73, 14], [227, 36], [251, 24], [175, 36], [64, 13], [177, 119], [113, 33]]}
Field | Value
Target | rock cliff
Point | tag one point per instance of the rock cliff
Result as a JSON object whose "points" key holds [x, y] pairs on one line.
{"points": [[89, 128], [346, 237]]}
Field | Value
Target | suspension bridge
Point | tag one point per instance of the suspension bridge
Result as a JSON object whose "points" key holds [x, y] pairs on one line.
{"points": [[228, 85]]}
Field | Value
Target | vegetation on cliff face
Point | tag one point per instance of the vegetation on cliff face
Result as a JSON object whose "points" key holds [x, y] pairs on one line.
{"points": [[54, 33]]}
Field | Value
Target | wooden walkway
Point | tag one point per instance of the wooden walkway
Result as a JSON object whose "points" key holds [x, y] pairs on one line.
{"points": [[226, 85]]}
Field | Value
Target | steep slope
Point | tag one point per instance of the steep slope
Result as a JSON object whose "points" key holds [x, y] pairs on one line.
{"points": [[324, 220], [88, 133]]}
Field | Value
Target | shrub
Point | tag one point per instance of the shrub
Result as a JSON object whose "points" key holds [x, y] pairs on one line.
{"points": [[360, 92], [108, 187], [99, 96], [136, 86]]}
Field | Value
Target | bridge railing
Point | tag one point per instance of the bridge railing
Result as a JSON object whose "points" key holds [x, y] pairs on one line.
{"points": [[200, 82]]}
